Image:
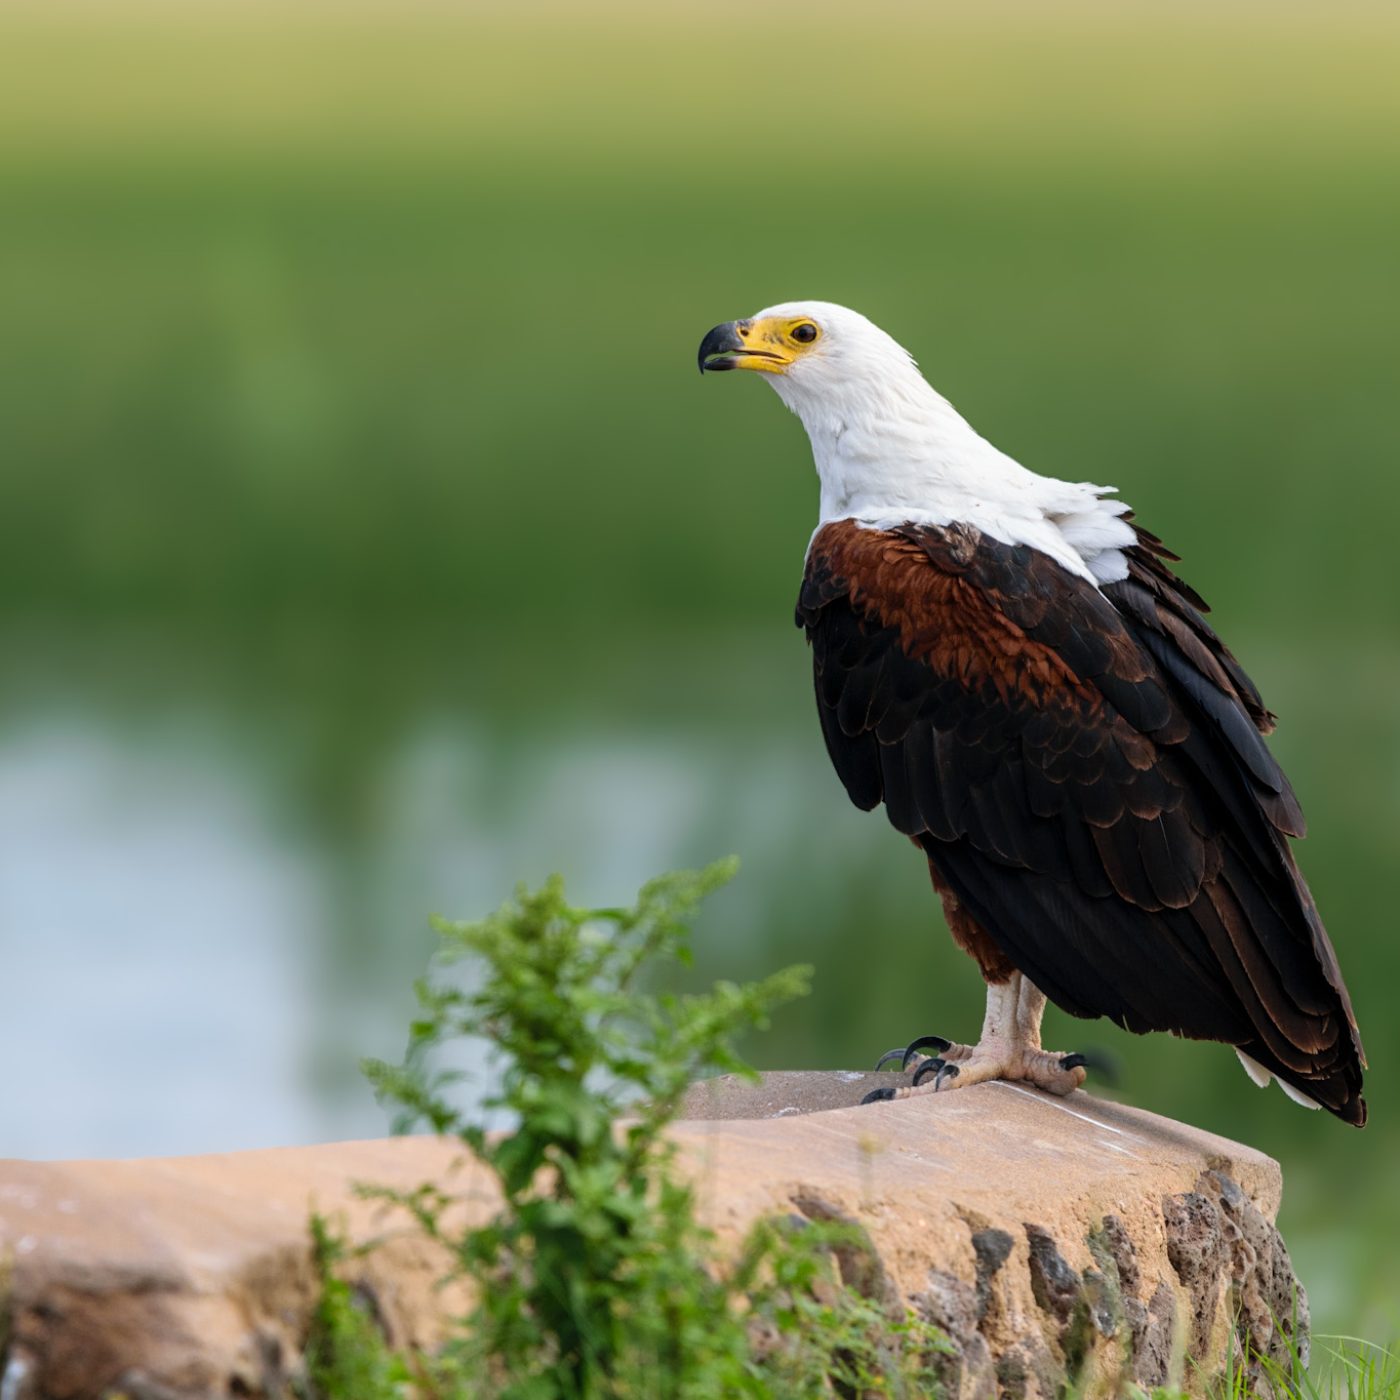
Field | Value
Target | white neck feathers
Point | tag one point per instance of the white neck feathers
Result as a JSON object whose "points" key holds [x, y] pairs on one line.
{"points": [[890, 450]]}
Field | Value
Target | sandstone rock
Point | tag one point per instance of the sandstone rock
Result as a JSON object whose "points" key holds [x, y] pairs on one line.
{"points": [[1044, 1236]]}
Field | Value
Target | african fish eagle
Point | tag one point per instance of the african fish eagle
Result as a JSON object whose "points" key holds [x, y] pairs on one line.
{"points": [[1009, 664]]}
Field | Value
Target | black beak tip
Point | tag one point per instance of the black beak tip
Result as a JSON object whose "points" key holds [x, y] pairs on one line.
{"points": [[722, 341]]}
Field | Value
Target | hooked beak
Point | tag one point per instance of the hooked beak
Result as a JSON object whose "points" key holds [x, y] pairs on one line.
{"points": [[742, 345]]}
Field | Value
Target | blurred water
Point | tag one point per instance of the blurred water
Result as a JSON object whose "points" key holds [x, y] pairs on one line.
{"points": [[190, 965], [155, 949]]}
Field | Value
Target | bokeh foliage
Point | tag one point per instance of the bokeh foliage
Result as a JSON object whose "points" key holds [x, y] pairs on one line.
{"points": [[347, 373]]}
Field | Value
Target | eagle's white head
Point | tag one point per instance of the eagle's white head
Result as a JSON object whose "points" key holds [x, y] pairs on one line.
{"points": [[822, 359], [889, 449]]}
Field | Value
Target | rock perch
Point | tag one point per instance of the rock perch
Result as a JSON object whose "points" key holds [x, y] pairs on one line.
{"points": [[1046, 1237]]}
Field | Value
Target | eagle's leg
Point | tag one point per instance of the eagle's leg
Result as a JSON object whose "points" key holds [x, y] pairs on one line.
{"points": [[1009, 1048]]}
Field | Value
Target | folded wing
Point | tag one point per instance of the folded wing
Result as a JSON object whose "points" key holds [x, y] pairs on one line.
{"points": [[1086, 771]]}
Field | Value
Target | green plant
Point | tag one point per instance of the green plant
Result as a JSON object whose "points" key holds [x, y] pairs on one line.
{"points": [[813, 1331], [1350, 1369], [345, 1352], [595, 1278], [590, 1272]]}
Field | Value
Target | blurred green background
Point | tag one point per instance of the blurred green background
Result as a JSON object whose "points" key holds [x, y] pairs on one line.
{"points": [[368, 541]]}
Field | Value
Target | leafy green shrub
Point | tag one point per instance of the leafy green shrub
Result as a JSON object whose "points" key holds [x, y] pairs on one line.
{"points": [[595, 1278], [345, 1354]]}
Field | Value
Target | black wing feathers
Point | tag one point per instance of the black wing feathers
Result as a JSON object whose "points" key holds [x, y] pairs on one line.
{"points": [[1086, 772]]}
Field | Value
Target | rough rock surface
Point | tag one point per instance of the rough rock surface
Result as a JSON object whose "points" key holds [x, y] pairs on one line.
{"points": [[1046, 1237]]}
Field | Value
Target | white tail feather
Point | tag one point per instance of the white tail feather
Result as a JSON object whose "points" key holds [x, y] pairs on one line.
{"points": [[1255, 1070], [1263, 1077], [1298, 1096]]}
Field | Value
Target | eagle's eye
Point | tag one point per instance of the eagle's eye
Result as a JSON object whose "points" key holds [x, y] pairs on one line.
{"points": [[804, 333]]}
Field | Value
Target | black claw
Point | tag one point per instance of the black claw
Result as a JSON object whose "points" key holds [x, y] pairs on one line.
{"points": [[925, 1042], [878, 1096], [946, 1073], [927, 1068], [897, 1053], [1103, 1063]]}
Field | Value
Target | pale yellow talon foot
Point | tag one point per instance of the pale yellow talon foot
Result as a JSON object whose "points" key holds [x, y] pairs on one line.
{"points": [[1009, 1049]]}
